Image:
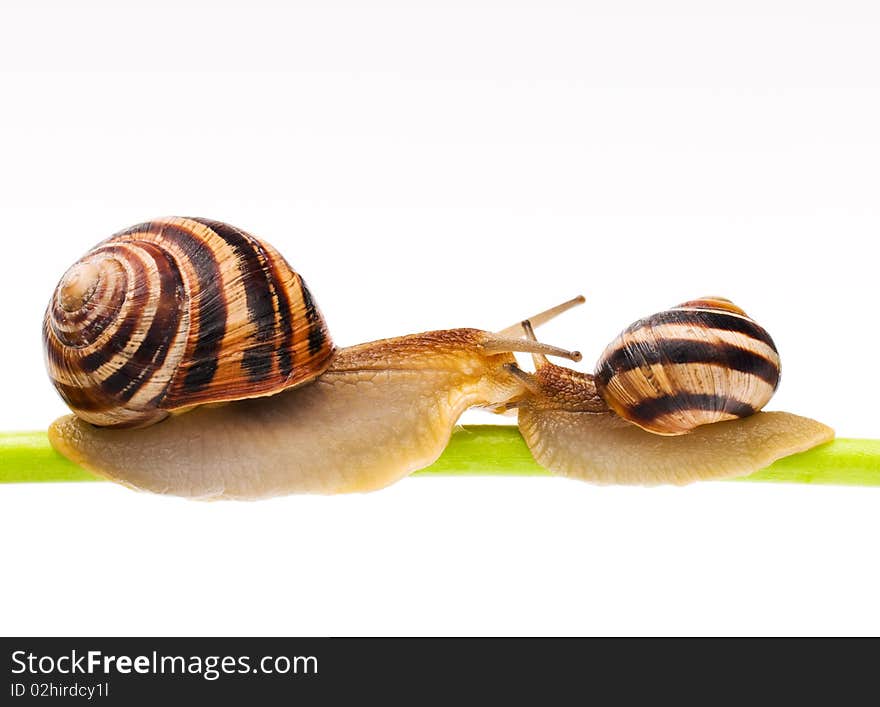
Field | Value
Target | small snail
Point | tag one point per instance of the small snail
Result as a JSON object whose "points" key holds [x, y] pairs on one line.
{"points": [[674, 398], [207, 331]]}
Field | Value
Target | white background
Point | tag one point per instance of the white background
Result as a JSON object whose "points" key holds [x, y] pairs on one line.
{"points": [[430, 165]]}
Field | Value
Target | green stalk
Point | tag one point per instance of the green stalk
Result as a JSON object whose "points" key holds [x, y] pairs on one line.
{"points": [[27, 457], [482, 450]]}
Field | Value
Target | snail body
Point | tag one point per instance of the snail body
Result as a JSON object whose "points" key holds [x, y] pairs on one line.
{"points": [[382, 410], [258, 402], [675, 398]]}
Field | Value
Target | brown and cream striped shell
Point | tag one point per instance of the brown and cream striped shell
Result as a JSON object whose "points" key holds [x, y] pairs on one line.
{"points": [[175, 313], [701, 362]]}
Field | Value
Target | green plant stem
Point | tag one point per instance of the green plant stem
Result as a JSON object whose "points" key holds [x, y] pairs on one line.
{"points": [[482, 450]]}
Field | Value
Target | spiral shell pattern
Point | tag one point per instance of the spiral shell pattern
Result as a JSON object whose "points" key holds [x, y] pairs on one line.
{"points": [[701, 362], [179, 312]]}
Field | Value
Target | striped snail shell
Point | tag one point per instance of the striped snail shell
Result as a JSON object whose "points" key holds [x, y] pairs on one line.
{"points": [[175, 313], [701, 362]]}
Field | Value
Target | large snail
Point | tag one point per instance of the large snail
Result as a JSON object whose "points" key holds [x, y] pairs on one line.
{"points": [[674, 398], [170, 318]]}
